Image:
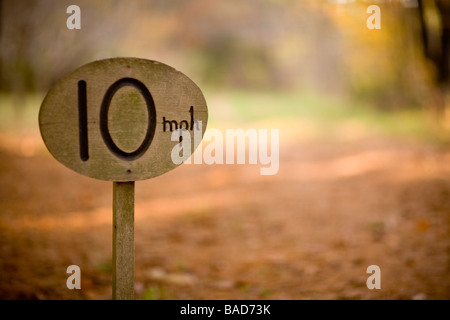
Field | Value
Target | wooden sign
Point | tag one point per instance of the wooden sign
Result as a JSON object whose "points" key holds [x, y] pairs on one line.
{"points": [[113, 119]]}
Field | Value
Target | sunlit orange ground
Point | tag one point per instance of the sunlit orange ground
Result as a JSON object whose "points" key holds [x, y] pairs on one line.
{"points": [[226, 232]]}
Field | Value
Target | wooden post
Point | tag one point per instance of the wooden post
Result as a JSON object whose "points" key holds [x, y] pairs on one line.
{"points": [[123, 240]]}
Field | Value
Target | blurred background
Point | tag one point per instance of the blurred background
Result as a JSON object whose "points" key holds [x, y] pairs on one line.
{"points": [[364, 173]]}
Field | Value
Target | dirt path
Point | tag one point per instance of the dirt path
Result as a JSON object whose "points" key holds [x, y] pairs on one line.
{"points": [[225, 232]]}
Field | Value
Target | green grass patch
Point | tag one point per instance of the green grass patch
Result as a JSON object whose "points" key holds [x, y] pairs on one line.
{"points": [[19, 113], [326, 113]]}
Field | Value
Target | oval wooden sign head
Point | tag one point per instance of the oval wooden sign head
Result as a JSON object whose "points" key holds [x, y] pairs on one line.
{"points": [[115, 119]]}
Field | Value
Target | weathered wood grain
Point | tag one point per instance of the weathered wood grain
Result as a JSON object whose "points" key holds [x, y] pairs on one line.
{"points": [[123, 241]]}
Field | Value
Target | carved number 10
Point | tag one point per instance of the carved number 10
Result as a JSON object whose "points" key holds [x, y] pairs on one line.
{"points": [[104, 129]]}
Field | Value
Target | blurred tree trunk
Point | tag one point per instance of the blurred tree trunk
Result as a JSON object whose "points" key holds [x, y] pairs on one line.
{"points": [[444, 10], [1, 30], [438, 52]]}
